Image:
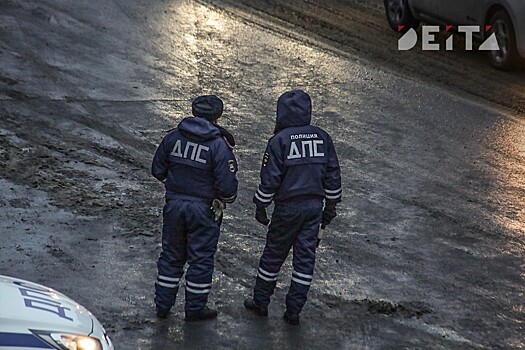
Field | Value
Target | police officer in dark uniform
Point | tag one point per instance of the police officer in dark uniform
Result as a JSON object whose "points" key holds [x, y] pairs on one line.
{"points": [[300, 172], [197, 165]]}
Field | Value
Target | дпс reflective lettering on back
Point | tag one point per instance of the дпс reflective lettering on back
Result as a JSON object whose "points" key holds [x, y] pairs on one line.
{"points": [[190, 150], [305, 146]]}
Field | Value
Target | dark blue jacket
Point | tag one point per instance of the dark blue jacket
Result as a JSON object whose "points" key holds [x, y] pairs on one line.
{"points": [[196, 162], [300, 161]]}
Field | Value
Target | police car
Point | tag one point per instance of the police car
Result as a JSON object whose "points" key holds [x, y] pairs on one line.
{"points": [[36, 317]]}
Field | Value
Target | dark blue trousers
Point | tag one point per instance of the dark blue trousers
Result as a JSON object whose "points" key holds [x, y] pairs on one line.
{"points": [[189, 234], [296, 225]]}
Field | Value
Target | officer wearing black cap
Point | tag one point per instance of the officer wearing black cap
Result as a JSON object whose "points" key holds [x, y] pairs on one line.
{"points": [[300, 172], [196, 163]]}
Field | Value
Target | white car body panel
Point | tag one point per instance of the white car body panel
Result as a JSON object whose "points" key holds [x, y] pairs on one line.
{"points": [[26, 306]]}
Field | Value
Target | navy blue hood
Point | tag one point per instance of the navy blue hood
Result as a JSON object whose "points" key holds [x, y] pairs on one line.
{"points": [[294, 108], [198, 129]]}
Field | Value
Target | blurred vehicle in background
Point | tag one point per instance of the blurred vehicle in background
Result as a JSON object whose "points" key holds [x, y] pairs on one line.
{"points": [[506, 17], [36, 317]]}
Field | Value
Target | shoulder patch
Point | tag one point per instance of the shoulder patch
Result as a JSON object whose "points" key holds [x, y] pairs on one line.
{"points": [[232, 165]]}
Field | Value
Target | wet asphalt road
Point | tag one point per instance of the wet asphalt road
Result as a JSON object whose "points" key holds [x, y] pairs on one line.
{"points": [[427, 251]]}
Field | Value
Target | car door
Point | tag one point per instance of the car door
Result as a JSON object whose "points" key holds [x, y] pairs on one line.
{"points": [[428, 9], [462, 12]]}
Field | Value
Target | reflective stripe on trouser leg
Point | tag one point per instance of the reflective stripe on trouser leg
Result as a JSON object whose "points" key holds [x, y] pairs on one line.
{"points": [[203, 236], [196, 296], [173, 256], [297, 293], [197, 293], [280, 238], [303, 260], [264, 286]]}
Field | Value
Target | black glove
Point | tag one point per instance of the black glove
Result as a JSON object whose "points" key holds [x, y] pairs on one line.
{"points": [[329, 214], [260, 215]]}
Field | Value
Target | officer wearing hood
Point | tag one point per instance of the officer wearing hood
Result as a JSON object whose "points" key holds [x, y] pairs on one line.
{"points": [[196, 163], [300, 172]]}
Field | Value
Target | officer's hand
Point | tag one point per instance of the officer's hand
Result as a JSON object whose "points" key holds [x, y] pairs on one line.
{"points": [[260, 215], [217, 206], [329, 214]]}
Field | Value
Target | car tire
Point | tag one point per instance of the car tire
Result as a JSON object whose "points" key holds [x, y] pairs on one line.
{"points": [[398, 14], [507, 58]]}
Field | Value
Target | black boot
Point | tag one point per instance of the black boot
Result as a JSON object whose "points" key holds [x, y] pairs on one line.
{"points": [[205, 314], [162, 313], [260, 310], [291, 318]]}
